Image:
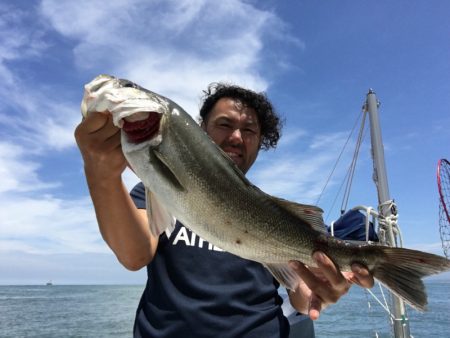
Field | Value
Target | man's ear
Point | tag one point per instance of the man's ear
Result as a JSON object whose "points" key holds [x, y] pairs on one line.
{"points": [[203, 125]]}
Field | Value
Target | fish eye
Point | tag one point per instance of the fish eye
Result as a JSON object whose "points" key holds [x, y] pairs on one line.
{"points": [[128, 84]]}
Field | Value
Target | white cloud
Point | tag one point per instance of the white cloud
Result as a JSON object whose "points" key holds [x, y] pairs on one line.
{"points": [[333, 141], [172, 47], [292, 136], [17, 173], [48, 225], [34, 220], [17, 40], [300, 175], [34, 115]]}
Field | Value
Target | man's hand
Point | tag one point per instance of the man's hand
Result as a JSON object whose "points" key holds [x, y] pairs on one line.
{"points": [[324, 285], [99, 143], [124, 227]]}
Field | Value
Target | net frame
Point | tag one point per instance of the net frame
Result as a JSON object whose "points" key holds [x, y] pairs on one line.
{"points": [[443, 181]]}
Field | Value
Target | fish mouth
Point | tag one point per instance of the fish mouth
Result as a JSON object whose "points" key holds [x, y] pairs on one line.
{"points": [[139, 131]]}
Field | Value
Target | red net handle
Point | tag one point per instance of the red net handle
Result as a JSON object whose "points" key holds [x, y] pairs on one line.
{"points": [[443, 180]]}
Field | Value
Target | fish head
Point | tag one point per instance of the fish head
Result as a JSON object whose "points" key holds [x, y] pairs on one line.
{"points": [[136, 110], [155, 131]]}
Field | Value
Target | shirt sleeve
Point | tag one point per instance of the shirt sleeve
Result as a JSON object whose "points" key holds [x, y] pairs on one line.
{"points": [[138, 195]]}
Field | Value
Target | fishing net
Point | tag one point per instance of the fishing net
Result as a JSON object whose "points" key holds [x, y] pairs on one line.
{"points": [[443, 179]]}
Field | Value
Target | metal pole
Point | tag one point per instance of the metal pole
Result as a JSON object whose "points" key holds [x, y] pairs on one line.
{"points": [[401, 322]]}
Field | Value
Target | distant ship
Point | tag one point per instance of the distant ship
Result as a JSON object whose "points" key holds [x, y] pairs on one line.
{"points": [[49, 283]]}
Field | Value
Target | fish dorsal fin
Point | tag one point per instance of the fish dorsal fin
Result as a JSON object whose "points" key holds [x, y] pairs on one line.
{"points": [[159, 217], [310, 214]]}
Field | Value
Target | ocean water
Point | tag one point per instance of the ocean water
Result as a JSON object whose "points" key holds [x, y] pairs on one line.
{"points": [[353, 317], [68, 310], [108, 311]]}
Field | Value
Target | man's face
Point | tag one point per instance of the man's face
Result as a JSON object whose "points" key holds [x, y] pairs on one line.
{"points": [[235, 128]]}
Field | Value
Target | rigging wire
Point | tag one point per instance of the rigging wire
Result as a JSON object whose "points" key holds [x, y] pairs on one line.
{"points": [[353, 164], [337, 195], [351, 170], [338, 159], [338, 192]]}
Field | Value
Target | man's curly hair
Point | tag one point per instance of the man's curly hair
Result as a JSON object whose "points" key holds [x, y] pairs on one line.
{"points": [[269, 120]]}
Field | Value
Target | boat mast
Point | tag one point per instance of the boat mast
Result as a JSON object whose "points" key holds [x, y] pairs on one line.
{"points": [[401, 321]]}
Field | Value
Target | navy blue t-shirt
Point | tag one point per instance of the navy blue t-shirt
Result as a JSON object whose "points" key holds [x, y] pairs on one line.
{"points": [[195, 289]]}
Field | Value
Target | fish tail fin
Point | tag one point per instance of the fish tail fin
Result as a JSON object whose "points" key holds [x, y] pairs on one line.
{"points": [[402, 272]]}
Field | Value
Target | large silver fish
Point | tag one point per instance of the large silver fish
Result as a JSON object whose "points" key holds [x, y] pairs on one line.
{"points": [[189, 178]]}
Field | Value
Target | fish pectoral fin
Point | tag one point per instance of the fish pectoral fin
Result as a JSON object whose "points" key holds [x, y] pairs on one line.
{"points": [[159, 218], [310, 214], [284, 274], [165, 170]]}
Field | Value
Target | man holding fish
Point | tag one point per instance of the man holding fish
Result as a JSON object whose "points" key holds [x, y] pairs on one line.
{"points": [[196, 289]]}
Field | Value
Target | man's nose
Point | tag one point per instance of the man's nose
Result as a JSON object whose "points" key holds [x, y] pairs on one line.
{"points": [[236, 137]]}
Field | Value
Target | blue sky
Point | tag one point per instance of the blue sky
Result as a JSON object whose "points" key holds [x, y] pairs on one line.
{"points": [[316, 60]]}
